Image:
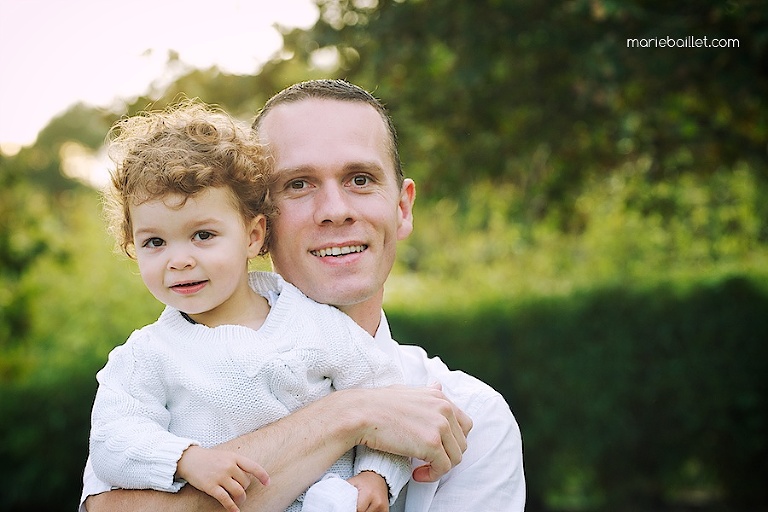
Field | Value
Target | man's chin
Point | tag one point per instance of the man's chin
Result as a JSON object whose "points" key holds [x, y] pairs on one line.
{"points": [[340, 290], [342, 299]]}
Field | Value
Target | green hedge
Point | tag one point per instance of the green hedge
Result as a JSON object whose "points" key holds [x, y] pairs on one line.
{"points": [[627, 399], [44, 431]]}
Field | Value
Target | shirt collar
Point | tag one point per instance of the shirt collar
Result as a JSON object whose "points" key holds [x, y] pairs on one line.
{"points": [[384, 342]]}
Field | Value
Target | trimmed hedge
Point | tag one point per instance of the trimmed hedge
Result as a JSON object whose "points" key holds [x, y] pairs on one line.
{"points": [[44, 431], [627, 399]]}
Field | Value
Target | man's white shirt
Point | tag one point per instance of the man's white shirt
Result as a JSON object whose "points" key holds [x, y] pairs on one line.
{"points": [[490, 475]]}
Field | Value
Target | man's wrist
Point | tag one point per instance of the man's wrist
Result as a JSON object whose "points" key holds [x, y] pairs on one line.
{"points": [[351, 415]]}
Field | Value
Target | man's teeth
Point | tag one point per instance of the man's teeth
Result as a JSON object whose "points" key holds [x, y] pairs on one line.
{"points": [[339, 251]]}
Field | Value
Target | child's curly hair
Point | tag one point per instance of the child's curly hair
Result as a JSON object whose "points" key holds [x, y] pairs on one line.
{"points": [[184, 149]]}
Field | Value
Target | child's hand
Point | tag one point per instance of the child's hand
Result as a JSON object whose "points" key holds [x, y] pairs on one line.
{"points": [[220, 474], [372, 492]]}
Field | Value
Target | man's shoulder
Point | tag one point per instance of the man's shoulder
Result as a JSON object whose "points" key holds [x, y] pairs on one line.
{"points": [[463, 389]]}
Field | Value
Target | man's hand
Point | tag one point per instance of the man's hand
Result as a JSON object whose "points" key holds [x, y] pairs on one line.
{"points": [[220, 474], [415, 422]]}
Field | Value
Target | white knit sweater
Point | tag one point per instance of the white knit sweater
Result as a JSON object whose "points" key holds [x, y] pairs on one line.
{"points": [[174, 384]]}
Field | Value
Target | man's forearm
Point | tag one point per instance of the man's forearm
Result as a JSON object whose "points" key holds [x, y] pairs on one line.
{"points": [[188, 498], [295, 451], [298, 449]]}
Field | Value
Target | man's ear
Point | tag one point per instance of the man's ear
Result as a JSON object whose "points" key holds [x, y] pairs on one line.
{"points": [[405, 209], [257, 232]]}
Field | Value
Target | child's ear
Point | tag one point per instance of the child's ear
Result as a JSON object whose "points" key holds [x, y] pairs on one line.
{"points": [[257, 232]]}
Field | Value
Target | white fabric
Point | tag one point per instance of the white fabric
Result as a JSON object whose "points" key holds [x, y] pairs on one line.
{"points": [[174, 384], [331, 494], [490, 476]]}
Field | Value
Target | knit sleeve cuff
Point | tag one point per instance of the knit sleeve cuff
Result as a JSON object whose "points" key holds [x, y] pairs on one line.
{"points": [[395, 469], [165, 460]]}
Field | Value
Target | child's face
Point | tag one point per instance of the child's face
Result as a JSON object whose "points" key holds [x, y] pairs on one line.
{"points": [[195, 257]]}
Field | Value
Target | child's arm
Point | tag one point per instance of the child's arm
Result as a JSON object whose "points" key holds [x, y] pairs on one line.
{"points": [[395, 470], [220, 474], [130, 444]]}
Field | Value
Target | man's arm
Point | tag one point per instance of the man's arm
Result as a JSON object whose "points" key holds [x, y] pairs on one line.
{"points": [[298, 449]]}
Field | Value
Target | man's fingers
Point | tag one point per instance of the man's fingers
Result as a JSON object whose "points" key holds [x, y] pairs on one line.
{"points": [[453, 441], [464, 420], [454, 444], [461, 428], [455, 438], [424, 424]]}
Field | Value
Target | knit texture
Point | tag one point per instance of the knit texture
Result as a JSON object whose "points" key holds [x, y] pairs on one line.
{"points": [[174, 384]]}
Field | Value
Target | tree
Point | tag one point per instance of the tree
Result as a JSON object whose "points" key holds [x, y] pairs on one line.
{"points": [[546, 94]]}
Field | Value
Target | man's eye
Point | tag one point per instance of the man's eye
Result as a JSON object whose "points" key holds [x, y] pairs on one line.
{"points": [[153, 242], [203, 235], [297, 185], [360, 181]]}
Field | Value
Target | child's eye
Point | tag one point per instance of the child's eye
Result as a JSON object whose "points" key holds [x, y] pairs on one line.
{"points": [[203, 235], [153, 242]]}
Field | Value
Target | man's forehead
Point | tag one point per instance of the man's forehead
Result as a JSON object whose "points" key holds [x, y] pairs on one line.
{"points": [[312, 122], [319, 110], [316, 133]]}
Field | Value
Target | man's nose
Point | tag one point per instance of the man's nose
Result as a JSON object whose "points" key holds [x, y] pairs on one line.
{"points": [[333, 206]]}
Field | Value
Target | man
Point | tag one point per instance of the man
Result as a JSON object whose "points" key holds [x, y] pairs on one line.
{"points": [[344, 204]]}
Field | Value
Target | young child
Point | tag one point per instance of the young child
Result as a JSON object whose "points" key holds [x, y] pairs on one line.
{"points": [[233, 350]]}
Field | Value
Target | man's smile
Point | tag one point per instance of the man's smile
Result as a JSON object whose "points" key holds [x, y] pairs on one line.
{"points": [[338, 251]]}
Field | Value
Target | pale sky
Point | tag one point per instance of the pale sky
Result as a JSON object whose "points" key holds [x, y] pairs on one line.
{"points": [[54, 53]]}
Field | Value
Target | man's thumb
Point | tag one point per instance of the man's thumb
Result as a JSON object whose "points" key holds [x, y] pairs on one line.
{"points": [[424, 474]]}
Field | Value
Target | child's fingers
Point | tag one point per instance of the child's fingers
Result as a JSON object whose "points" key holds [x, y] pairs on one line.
{"points": [[224, 497], [236, 486], [240, 479], [363, 503], [254, 469]]}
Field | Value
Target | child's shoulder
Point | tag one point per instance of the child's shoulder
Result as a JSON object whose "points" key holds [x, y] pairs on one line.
{"points": [[272, 286], [288, 302], [168, 327]]}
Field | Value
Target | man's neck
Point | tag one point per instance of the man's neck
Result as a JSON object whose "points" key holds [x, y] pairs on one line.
{"points": [[367, 315]]}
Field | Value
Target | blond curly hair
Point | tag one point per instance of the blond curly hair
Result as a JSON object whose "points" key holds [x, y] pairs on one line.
{"points": [[184, 149]]}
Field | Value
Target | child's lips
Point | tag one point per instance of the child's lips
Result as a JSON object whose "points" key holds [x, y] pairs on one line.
{"points": [[189, 288]]}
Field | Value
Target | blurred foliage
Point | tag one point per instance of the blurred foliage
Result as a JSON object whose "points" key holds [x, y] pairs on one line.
{"points": [[623, 230], [591, 239], [547, 94]]}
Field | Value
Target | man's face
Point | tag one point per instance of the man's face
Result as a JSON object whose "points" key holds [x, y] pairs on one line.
{"points": [[341, 211]]}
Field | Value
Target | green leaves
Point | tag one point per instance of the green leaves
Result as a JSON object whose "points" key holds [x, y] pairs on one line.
{"points": [[478, 89]]}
